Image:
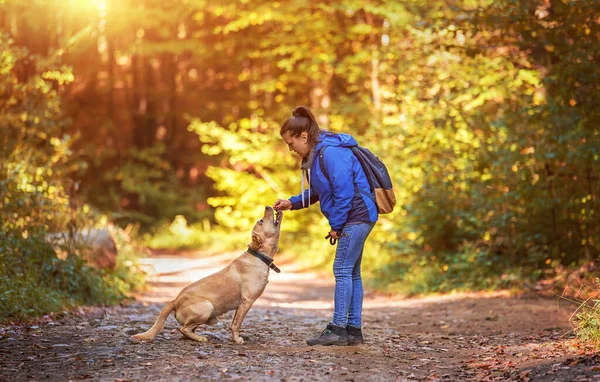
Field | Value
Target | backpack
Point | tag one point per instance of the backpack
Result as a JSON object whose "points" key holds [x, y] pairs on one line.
{"points": [[377, 174]]}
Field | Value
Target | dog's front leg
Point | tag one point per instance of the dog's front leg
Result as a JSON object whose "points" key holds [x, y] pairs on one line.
{"points": [[238, 318]]}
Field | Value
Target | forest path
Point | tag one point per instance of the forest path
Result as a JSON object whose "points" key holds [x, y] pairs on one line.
{"points": [[462, 337]]}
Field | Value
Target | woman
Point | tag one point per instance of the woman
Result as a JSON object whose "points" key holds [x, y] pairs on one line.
{"points": [[348, 205]]}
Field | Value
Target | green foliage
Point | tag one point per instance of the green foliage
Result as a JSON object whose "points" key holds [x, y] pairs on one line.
{"points": [[34, 281], [586, 323], [144, 190], [489, 146], [33, 156], [469, 268], [35, 159], [484, 111], [253, 170], [30, 268], [457, 120]]}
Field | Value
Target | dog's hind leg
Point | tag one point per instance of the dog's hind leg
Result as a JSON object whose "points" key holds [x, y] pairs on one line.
{"points": [[196, 315], [188, 331]]}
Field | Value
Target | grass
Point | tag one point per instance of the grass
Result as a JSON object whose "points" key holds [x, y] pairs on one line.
{"points": [[585, 320]]}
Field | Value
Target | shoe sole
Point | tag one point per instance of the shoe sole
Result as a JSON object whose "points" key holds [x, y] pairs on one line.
{"points": [[355, 340], [342, 343]]}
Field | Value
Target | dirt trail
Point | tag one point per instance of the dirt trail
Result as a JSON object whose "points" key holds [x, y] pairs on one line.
{"points": [[467, 337]]}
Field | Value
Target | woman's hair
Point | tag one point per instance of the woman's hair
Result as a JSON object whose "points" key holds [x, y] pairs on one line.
{"points": [[302, 120]]}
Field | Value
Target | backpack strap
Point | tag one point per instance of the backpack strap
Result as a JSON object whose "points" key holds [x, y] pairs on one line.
{"points": [[356, 189], [322, 164]]}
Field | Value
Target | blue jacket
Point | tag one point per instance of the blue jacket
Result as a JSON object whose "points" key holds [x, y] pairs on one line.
{"points": [[345, 199]]}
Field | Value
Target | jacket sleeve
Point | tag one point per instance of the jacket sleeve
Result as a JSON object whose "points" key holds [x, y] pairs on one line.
{"points": [[297, 200], [338, 164]]}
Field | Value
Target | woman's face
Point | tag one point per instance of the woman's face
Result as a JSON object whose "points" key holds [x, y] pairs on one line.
{"points": [[298, 144]]}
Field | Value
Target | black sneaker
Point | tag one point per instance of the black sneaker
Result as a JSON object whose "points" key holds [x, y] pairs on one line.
{"points": [[355, 336], [332, 335]]}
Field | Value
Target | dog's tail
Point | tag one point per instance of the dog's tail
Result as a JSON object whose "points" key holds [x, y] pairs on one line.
{"points": [[158, 325]]}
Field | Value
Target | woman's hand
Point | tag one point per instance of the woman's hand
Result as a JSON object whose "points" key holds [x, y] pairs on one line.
{"points": [[282, 205], [334, 234]]}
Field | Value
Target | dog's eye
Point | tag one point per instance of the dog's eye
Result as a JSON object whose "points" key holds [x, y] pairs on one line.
{"points": [[260, 222]]}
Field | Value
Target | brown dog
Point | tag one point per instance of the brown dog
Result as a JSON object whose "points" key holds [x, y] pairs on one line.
{"points": [[236, 286]]}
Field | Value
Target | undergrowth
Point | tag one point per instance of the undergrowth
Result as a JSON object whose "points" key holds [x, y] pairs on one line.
{"points": [[585, 320], [34, 281]]}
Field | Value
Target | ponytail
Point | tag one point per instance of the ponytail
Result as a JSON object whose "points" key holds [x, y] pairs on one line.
{"points": [[303, 111], [302, 120]]}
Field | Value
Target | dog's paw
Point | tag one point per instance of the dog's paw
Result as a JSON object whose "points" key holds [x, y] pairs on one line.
{"points": [[195, 337], [140, 337], [239, 340]]}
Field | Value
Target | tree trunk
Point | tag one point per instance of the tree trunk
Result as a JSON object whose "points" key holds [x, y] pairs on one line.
{"points": [[138, 105], [150, 95], [110, 101], [169, 62]]}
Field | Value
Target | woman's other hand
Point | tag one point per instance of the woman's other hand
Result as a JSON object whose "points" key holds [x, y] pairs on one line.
{"points": [[334, 234], [282, 205]]}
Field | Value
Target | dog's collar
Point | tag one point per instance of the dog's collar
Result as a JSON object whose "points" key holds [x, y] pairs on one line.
{"points": [[264, 258]]}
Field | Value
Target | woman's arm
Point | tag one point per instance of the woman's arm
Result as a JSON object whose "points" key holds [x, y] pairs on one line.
{"points": [[297, 203], [338, 164]]}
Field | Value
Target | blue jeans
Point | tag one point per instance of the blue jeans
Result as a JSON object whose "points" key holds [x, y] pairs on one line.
{"points": [[348, 297]]}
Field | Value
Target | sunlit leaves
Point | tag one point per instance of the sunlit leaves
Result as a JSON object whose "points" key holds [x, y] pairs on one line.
{"points": [[246, 175], [62, 77], [466, 146], [33, 152], [483, 111]]}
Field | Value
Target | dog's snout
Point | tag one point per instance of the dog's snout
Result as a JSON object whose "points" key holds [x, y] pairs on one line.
{"points": [[278, 217], [273, 215]]}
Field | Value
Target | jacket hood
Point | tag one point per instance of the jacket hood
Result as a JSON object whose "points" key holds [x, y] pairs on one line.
{"points": [[339, 140]]}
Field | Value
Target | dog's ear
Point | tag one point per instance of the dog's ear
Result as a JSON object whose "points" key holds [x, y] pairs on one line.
{"points": [[257, 239]]}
